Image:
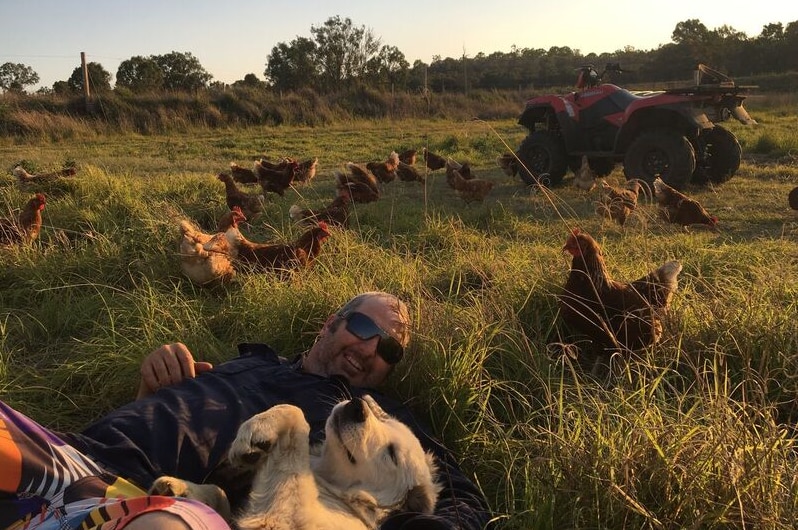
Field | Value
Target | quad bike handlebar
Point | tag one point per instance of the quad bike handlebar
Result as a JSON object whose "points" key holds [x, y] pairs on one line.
{"points": [[588, 76]]}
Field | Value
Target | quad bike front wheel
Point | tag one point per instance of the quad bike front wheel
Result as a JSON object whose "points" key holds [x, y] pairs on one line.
{"points": [[660, 153], [719, 156], [543, 160]]}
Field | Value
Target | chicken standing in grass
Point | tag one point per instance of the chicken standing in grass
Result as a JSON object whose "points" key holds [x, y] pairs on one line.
{"points": [[360, 182], [306, 171], [385, 171], [27, 225], [616, 316], [251, 205], [336, 213], [433, 161], [242, 174], [278, 257], [276, 178], [508, 163], [585, 177], [206, 259], [618, 203], [471, 190], [408, 173], [408, 156], [677, 208], [23, 177], [792, 198]]}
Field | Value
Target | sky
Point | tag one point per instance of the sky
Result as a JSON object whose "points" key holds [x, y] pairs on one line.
{"points": [[232, 38]]}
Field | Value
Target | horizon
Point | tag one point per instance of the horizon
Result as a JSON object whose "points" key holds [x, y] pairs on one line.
{"points": [[448, 30]]}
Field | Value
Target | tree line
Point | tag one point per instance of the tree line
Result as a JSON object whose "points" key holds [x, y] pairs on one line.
{"points": [[340, 55]]}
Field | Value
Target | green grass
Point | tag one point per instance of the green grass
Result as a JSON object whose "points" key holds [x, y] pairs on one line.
{"points": [[696, 434]]}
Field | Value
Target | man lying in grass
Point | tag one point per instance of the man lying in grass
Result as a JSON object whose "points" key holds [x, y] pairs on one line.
{"points": [[187, 415]]}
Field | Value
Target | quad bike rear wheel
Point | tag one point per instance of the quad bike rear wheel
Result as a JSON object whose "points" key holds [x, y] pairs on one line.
{"points": [[719, 155], [543, 159], [660, 153]]}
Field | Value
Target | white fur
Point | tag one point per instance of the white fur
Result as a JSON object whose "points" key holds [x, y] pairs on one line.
{"points": [[369, 465]]}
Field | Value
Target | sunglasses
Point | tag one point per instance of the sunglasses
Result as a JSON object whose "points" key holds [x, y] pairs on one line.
{"points": [[364, 328]]}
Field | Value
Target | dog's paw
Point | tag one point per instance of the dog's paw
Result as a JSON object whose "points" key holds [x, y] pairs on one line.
{"points": [[169, 487], [210, 494], [281, 425]]}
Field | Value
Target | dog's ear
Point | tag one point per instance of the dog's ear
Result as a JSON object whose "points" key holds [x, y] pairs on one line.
{"points": [[421, 498]]}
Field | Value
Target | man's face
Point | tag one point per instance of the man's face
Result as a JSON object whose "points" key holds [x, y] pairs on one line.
{"points": [[339, 352]]}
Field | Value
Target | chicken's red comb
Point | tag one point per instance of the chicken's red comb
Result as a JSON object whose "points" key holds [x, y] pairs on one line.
{"points": [[324, 226], [40, 196]]}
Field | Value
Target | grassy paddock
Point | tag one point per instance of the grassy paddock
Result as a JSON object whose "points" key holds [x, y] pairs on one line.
{"points": [[697, 433]]}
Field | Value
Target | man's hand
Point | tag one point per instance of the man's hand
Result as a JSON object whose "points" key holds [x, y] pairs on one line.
{"points": [[166, 366]]}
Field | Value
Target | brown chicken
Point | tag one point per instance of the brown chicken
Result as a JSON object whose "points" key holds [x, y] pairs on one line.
{"points": [[278, 256], [618, 203], [276, 178], [306, 171], [28, 224], [471, 190], [585, 177], [23, 177], [408, 173], [463, 169], [408, 156], [242, 174], [360, 182], [336, 213], [385, 171], [792, 198], [230, 218], [508, 163], [615, 316], [206, 259], [251, 205], [433, 161], [677, 208]]}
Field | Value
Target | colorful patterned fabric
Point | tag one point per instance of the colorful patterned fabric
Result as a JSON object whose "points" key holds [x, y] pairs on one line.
{"points": [[47, 484]]}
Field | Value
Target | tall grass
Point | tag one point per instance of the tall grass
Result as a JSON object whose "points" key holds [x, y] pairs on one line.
{"points": [[696, 433]]}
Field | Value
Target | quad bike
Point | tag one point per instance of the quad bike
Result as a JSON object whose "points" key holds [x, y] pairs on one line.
{"points": [[670, 133]]}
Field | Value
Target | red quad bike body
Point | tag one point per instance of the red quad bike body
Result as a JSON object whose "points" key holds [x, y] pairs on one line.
{"points": [[671, 133]]}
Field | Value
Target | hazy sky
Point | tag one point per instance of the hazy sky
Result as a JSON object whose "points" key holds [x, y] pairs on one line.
{"points": [[232, 38]]}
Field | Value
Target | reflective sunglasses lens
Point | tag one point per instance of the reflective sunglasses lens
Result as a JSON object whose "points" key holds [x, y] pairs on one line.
{"points": [[390, 350], [362, 327]]}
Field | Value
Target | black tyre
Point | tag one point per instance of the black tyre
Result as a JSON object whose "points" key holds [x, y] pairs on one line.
{"points": [[543, 158], [660, 153], [719, 156]]}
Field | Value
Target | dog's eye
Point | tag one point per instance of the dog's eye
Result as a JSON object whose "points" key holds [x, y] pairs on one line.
{"points": [[391, 450]]}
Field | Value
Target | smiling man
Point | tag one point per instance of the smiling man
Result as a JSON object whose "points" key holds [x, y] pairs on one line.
{"points": [[188, 412]]}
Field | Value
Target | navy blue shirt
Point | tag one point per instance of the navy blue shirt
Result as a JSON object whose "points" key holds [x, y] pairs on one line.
{"points": [[186, 429]]}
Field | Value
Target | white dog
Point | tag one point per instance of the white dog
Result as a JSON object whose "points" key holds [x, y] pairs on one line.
{"points": [[369, 465]]}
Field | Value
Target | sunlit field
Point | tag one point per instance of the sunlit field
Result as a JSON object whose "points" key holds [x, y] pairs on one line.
{"points": [[698, 432]]}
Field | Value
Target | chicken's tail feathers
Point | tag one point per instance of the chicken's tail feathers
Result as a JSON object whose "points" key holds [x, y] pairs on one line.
{"points": [[668, 274], [20, 172], [295, 212]]}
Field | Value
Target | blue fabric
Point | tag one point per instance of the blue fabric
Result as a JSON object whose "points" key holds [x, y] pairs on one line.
{"points": [[185, 430]]}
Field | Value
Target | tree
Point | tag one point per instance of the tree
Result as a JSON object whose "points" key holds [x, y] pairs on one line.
{"points": [[14, 77], [343, 51], [293, 66], [181, 71], [140, 74], [99, 78], [388, 68]]}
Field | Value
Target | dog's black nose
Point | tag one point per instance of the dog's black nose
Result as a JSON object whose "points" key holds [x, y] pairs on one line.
{"points": [[355, 411]]}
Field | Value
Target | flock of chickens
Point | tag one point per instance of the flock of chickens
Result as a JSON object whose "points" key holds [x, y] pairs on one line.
{"points": [[615, 316]]}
